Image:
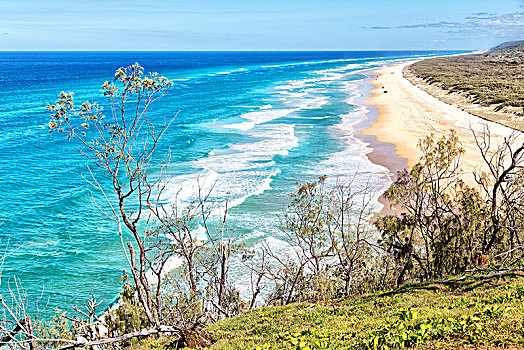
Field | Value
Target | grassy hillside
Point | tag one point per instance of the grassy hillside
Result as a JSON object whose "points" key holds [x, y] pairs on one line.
{"points": [[466, 315], [493, 79]]}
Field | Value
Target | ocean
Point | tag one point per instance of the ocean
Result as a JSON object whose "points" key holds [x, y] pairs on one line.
{"points": [[253, 124]]}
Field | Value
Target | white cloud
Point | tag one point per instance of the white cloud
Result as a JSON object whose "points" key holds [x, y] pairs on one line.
{"points": [[510, 23]]}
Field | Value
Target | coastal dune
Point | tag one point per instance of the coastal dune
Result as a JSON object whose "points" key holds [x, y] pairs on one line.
{"points": [[406, 114]]}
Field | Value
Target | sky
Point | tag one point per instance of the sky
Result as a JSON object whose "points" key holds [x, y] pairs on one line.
{"points": [[173, 25]]}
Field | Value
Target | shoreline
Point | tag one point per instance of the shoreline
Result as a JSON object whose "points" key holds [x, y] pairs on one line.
{"points": [[405, 114], [382, 153]]}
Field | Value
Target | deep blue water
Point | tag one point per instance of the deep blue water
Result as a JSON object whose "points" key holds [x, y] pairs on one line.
{"points": [[253, 122]]}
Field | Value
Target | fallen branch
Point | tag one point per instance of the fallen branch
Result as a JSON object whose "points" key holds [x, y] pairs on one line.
{"points": [[498, 273], [141, 333]]}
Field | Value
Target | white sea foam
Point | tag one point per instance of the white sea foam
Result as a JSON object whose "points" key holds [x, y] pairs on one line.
{"points": [[259, 117], [227, 72], [240, 126], [308, 102], [184, 189], [313, 93], [351, 165], [266, 115], [318, 118], [235, 174], [295, 84], [310, 63]]}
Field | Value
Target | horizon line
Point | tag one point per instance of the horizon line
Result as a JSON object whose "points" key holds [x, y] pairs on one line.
{"points": [[247, 50]]}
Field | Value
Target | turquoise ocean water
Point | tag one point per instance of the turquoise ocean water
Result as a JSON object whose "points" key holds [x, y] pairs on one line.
{"points": [[251, 123]]}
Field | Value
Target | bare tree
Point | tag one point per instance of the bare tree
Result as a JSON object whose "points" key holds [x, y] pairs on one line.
{"points": [[204, 246], [351, 234], [501, 188], [17, 326], [121, 145], [329, 245]]}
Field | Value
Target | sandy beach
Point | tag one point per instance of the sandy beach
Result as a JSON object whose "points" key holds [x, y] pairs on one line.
{"points": [[407, 114]]}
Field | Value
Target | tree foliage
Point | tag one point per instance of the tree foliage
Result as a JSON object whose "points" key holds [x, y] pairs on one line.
{"points": [[446, 227]]}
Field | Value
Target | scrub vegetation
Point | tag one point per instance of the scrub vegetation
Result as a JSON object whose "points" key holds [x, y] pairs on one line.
{"points": [[492, 79]]}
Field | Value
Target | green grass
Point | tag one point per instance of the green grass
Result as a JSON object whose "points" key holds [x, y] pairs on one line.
{"points": [[426, 316]]}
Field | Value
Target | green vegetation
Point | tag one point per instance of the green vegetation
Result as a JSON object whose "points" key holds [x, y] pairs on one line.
{"points": [[493, 79], [428, 316]]}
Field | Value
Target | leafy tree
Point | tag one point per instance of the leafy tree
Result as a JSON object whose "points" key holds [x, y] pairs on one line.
{"points": [[437, 232]]}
